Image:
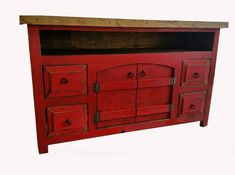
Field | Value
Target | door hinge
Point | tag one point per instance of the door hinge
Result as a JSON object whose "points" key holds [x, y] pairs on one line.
{"points": [[171, 107], [97, 117], [173, 81], [96, 87]]}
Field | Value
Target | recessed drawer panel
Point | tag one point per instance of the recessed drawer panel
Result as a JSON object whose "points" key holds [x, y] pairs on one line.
{"points": [[62, 81], [66, 119], [195, 72], [192, 104]]}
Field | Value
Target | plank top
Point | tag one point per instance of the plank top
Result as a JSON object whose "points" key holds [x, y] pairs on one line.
{"points": [[108, 22]]}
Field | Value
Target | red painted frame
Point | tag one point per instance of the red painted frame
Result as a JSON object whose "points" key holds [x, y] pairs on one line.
{"points": [[172, 59]]}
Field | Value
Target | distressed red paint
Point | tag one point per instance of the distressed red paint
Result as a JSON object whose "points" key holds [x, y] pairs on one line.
{"points": [[136, 91]]}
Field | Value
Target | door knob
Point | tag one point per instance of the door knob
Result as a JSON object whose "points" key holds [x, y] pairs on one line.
{"points": [[130, 75], [64, 81], [68, 122], [196, 75], [142, 73], [192, 107]]}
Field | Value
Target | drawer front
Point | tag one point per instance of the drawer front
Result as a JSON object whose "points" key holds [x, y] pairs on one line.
{"points": [[66, 119], [195, 72], [192, 104], [62, 81]]}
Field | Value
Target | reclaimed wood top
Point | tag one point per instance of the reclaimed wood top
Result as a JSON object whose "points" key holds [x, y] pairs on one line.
{"points": [[108, 22]]}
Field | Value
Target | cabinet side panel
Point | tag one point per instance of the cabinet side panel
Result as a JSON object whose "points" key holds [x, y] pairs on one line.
{"points": [[211, 78], [37, 79]]}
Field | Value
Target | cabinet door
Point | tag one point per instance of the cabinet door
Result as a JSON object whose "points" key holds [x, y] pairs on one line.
{"points": [[154, 93], [116, 99]]}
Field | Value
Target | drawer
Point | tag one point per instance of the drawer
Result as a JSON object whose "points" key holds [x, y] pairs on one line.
{"points": [[192, 104], [66, 119], [62, 81], [195, 72]]}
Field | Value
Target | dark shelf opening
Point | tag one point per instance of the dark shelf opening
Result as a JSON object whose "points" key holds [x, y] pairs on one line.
{"points": [[98, 42]]}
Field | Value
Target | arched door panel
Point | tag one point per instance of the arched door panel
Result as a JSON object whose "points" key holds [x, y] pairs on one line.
{"points": [[116, 100], [154, 92]]}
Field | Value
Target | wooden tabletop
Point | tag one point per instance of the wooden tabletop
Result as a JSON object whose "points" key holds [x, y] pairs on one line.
{"points": [[108, 22]]}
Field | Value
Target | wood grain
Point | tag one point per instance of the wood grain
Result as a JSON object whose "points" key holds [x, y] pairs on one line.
{"points": [[108, 22]]}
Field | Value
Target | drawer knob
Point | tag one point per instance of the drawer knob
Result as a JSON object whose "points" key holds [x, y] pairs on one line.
{"points": [[64, 81], [142, 73], [196, 75], [192, 106], [130, 75], [68, 122]]}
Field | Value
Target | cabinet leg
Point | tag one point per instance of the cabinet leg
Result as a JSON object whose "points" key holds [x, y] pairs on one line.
{"points": [[204, 122], [43, 149]]}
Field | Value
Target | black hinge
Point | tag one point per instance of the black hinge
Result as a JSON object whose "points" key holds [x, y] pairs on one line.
{"points": [[97, 117], [96, 87], [173, 81], [171, 107]]}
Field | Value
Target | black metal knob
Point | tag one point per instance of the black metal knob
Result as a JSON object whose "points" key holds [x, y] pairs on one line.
{"points": [[130, 75], [192, 107], [196, 75], [142, 73], [68, 122], [64, 81]]}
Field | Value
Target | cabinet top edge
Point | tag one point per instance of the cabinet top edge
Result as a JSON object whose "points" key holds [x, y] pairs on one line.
{"points": [[109, 22]]}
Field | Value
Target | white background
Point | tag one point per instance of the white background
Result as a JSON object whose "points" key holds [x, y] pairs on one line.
{"points": [[181, 149]]}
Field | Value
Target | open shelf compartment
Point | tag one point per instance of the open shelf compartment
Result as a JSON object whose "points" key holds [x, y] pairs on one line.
{"points": [[102, 42]]}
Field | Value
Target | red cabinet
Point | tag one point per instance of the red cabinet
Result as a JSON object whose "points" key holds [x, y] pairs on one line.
{"points": [[95, 77]]}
